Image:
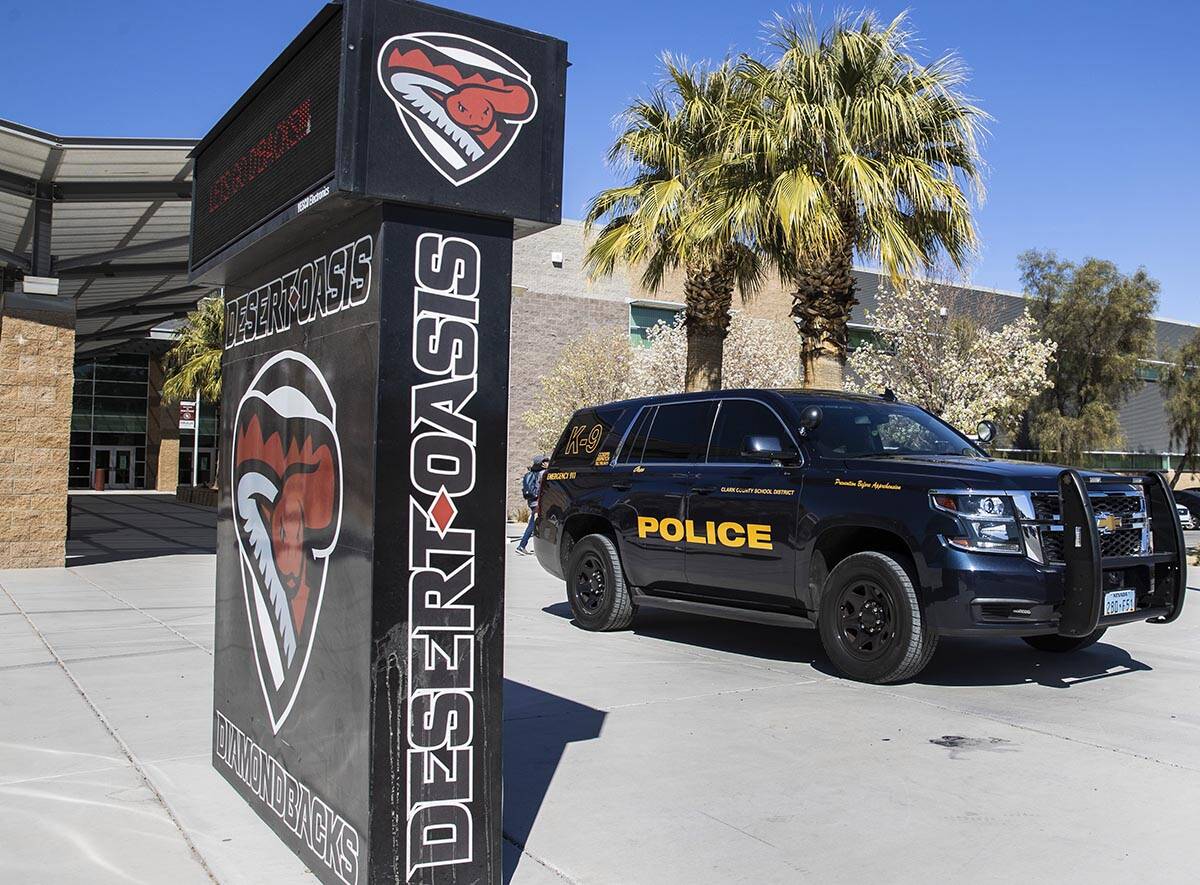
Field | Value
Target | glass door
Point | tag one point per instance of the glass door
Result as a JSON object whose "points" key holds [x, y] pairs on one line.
{"points": [[117, 464], [121, 472]]}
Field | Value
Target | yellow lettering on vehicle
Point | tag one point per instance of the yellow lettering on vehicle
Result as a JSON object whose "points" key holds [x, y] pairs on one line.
{"points": [[734, 535], [758, 536], [671, 530], [725, 532]]}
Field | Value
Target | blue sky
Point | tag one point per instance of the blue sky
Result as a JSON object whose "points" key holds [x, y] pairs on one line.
{"points": [[1093, 150]]}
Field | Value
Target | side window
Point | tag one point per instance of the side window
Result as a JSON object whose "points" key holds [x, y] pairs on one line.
{"points": [[589, 438], [738, 419], [679, 433], [900, 432], [635, 443]]}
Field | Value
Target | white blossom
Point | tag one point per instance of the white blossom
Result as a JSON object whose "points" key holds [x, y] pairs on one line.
{"points": [[758, 353], [597, 368], [948, 363]]}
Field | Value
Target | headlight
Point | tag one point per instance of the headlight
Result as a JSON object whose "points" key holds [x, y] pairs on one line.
{"points": [[988, 522]]}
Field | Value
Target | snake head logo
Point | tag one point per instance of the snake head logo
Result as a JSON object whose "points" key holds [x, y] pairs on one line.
{"points": [[287, 505], [461, 101]]}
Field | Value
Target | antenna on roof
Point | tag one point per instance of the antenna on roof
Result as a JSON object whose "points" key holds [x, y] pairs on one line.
{"points": [[889, 394]]}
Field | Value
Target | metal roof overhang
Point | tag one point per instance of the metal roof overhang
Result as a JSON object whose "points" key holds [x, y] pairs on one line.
{"points": [[110, 218]]}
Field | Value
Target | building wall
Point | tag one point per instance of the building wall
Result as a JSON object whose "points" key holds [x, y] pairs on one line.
{"points": [[542, 324], [37, 351]]}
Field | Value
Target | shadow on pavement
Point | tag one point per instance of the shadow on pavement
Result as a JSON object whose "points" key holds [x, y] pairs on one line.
{"points": [[537, 728], [112, 528], [961, 662], [1012, 662], [735, 637]]}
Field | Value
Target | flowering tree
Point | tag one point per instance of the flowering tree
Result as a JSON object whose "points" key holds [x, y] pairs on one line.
{"points": [[954, 366], [591, 369], [597, 368], [758, 353]]}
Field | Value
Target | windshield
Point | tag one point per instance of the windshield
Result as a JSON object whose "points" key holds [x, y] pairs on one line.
{"points": [[863, 429]]}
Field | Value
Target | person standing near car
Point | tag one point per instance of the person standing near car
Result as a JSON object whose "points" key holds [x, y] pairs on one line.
{"points": [[531, 485]]}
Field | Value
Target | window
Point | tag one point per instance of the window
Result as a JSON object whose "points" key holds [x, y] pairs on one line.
{"points": [[679, 433], [643, 318], [635, 443], [588, 436], [902, 432], [738, 419], [879, 429]]}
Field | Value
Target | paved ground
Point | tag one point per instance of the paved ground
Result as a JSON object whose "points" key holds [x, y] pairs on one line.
{"points": [[684, 751]]}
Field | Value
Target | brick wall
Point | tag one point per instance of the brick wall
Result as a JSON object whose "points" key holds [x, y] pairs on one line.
{"points": [[542, 324], [37, 354]]}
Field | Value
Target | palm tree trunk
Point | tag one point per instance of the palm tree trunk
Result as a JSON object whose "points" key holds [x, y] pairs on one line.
{"points": [[709, 296], [705, 352], [821, 307]]}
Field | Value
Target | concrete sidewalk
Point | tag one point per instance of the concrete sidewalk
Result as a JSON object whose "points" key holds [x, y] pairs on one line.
{"points": [[683, 751]]}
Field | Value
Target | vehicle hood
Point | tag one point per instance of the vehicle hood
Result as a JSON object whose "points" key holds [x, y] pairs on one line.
{"points": [[950, 472]]}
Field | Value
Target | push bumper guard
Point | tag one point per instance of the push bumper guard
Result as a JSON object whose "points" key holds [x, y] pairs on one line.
{"points": [[1083, 602]]}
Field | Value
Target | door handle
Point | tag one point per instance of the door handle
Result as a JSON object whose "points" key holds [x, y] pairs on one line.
{"points": [[703, 490], [622, 485]]}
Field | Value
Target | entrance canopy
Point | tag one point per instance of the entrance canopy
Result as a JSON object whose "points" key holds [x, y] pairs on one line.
{"points": [[108, 218]]}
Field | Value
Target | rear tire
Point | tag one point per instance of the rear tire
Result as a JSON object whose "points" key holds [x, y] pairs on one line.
{"points": [[870, 620], [1064, 644], [596, 588]]}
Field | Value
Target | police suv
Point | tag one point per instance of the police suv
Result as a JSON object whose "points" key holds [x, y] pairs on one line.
{"points": [[867, 518]]}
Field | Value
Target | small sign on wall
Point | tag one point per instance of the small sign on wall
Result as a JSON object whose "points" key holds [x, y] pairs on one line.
{"points": [[187, 416]]}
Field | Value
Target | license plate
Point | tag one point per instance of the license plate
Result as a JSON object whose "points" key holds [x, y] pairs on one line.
{"points": [[1120, 602]]}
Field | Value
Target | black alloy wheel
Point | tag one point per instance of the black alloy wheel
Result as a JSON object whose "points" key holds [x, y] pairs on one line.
{"points": [[596, 587], [590, 582], [866, 620], [870, 619]]}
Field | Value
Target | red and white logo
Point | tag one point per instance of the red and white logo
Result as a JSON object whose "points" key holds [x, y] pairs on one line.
{"points": [[287, 509], [463, 102]]}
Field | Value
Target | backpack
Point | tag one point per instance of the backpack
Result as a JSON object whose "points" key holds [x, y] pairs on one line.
{"points": [[529, 485]]}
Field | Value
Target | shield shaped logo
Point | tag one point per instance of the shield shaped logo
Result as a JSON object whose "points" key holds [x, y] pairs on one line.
{"points": [[462, 102], [287, 508]]}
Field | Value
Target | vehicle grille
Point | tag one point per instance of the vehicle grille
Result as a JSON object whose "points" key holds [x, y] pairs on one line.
{"points": [[1129, 539], [1046, 506]]}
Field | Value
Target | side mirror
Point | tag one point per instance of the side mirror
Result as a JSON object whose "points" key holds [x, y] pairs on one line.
{"points": [[986, 431], [767, 448], [810, 419]]}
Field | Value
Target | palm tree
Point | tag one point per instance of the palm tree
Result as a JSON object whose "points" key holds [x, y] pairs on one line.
{"points": [[847, 144], [194, 361], [652, 222]]}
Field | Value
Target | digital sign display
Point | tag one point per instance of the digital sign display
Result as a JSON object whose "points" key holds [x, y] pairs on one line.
{"points": [[293, 128], [275, 147]]}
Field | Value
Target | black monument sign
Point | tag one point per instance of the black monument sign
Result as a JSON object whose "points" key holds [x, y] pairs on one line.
{"points": [[358, 205]]}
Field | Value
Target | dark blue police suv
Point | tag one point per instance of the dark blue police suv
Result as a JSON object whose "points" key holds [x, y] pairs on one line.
{"points": [[866, 518]]}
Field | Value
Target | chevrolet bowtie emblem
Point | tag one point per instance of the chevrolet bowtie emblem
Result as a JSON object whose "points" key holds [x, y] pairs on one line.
{"points": [[1108, 523]]}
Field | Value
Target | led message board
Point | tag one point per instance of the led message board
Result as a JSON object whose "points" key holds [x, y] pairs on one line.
{"points": [[387, 100]]}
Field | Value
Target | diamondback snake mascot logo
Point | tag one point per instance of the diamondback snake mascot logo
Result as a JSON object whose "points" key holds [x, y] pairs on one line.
{"points": [[463, 102], [287, 507]]}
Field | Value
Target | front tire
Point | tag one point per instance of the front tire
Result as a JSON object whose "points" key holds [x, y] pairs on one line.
{"points": [[1064, 644], [870, 620], [596, 588]]}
